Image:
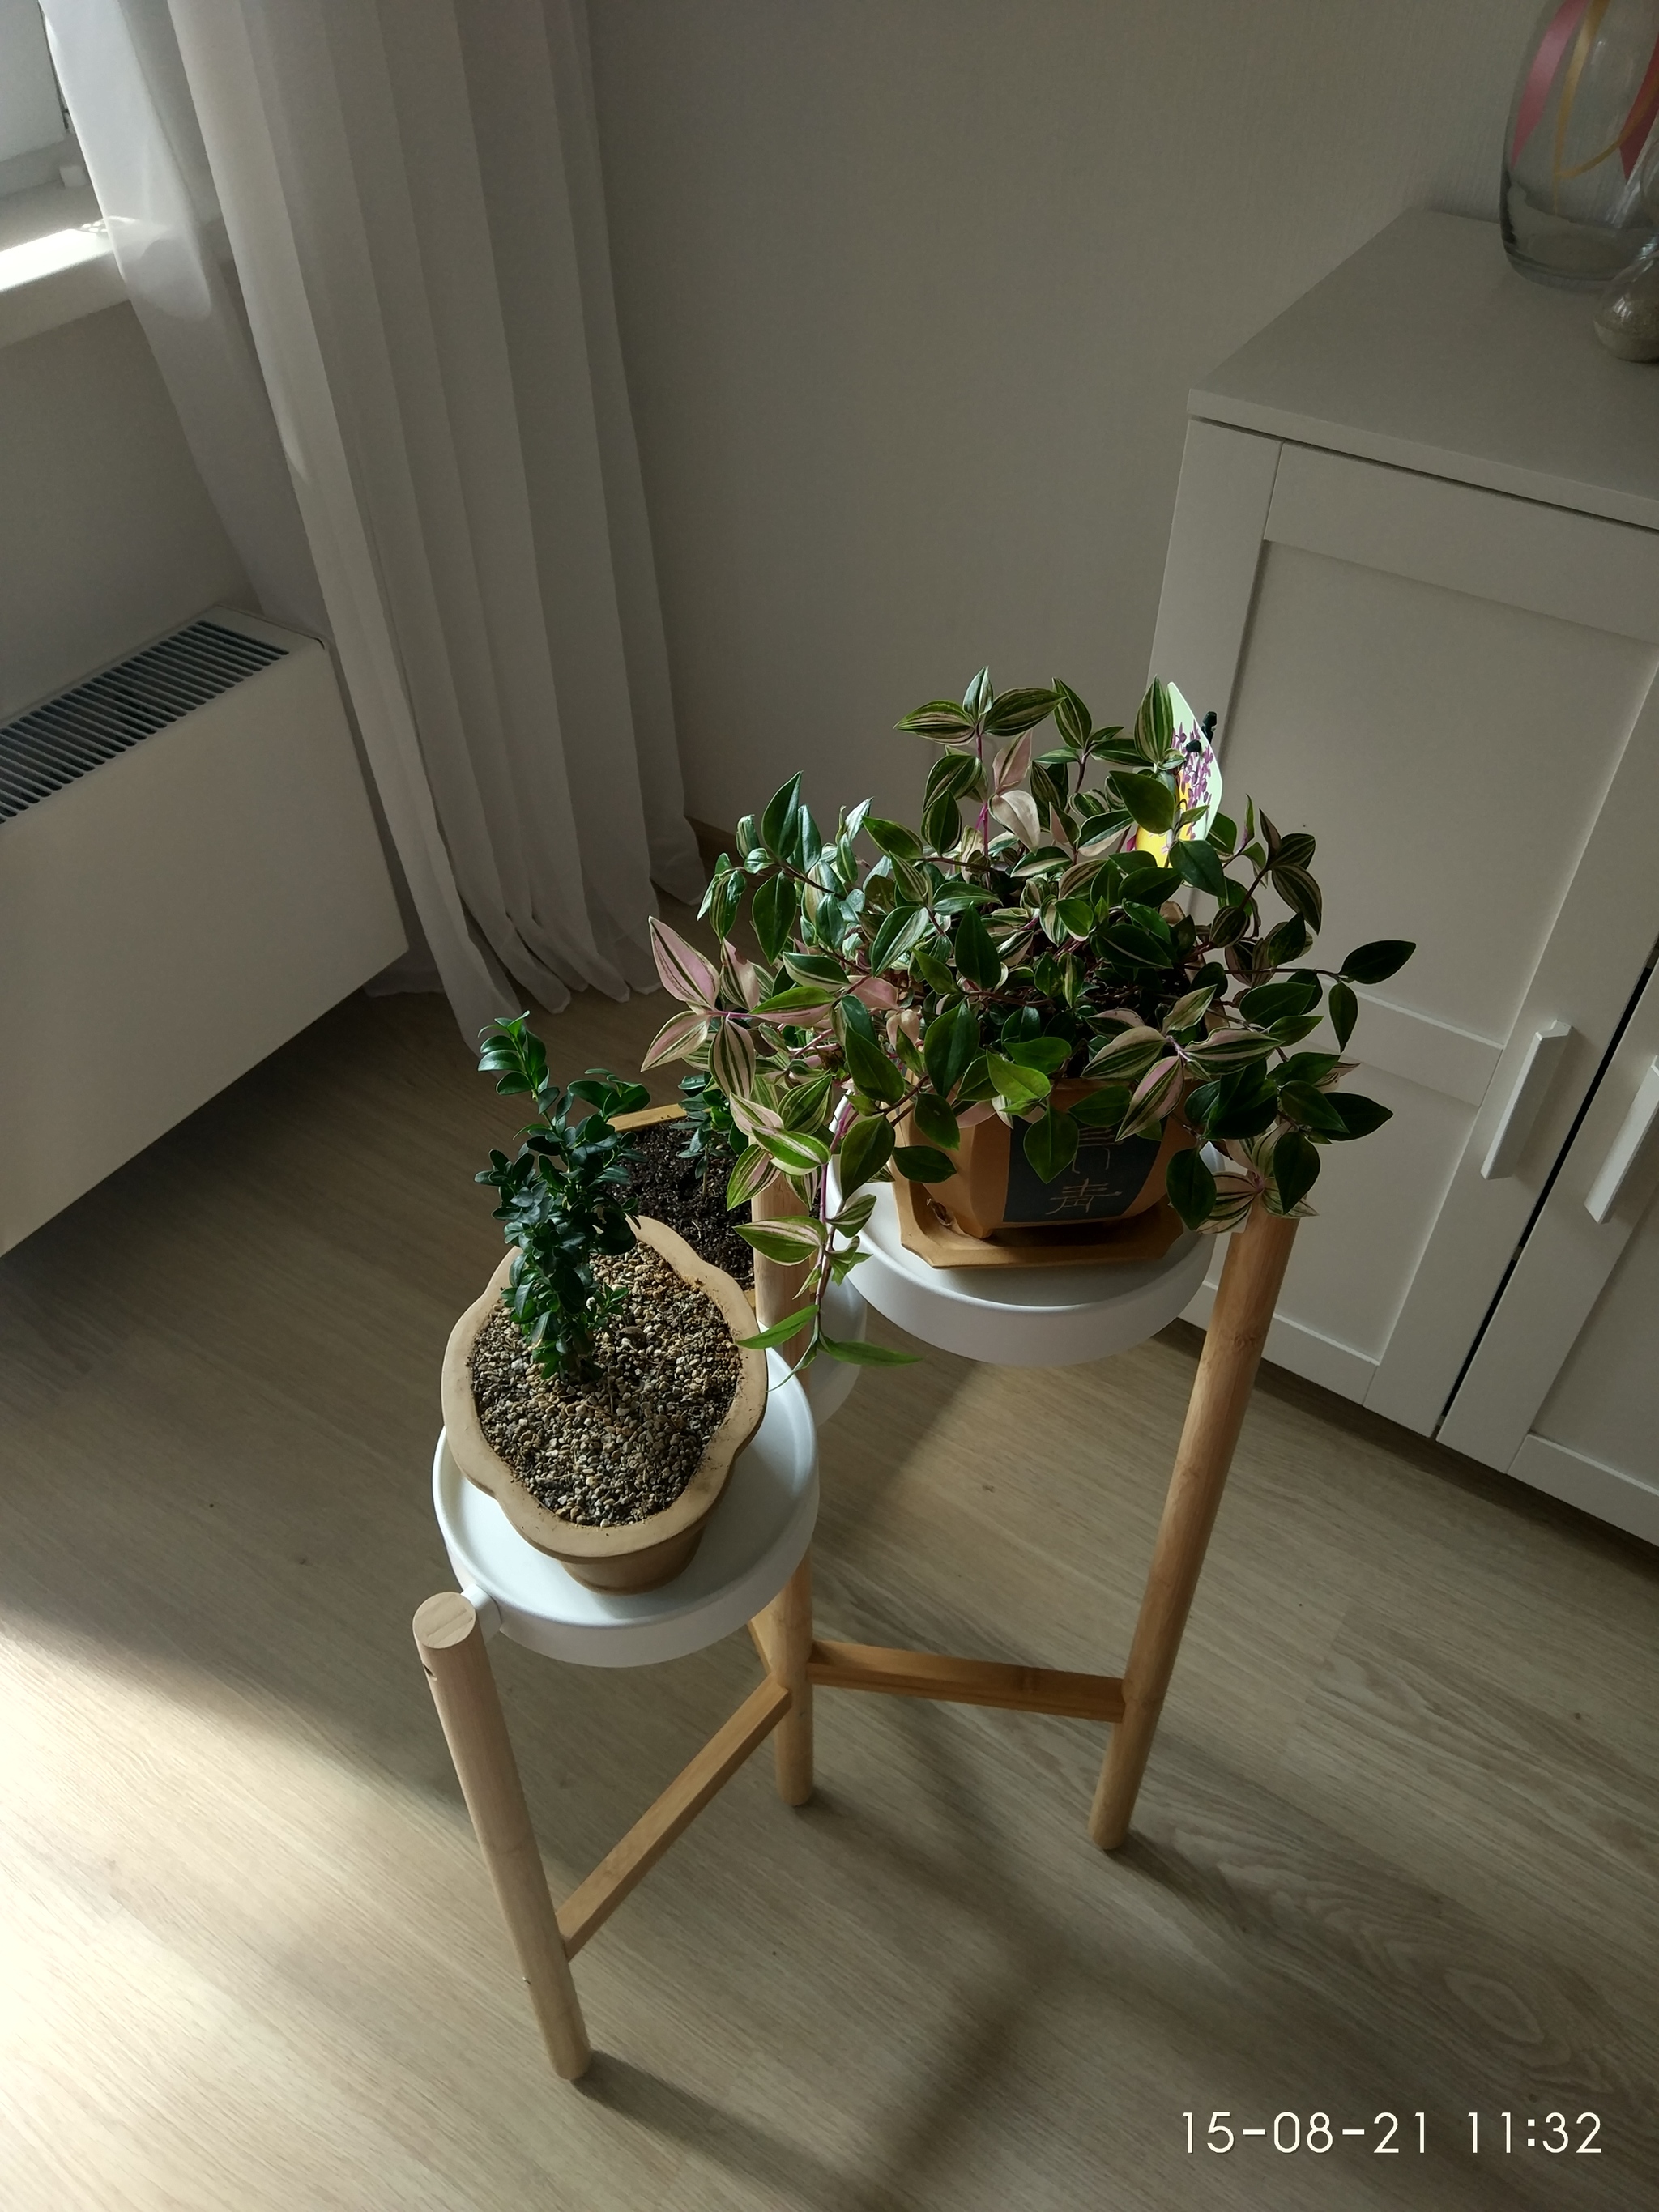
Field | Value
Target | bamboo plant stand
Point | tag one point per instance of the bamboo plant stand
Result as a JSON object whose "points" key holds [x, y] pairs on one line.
{"points": [[450, 1632]]}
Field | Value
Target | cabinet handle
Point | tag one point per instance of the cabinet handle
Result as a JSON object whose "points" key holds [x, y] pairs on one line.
{"points": [[1621, 1156], [1526, 1100]]}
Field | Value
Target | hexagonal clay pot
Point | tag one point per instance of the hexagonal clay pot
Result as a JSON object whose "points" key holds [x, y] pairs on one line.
{"points": [[1110, 1180], [638, 1555]]}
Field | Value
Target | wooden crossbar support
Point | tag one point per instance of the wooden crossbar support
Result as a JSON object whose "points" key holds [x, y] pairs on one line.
{"points": [[965, 1682], [592, 1902]]}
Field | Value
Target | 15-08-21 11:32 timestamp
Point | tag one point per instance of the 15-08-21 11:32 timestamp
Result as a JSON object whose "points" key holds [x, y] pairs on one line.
{"points": [[1390, 2134]]}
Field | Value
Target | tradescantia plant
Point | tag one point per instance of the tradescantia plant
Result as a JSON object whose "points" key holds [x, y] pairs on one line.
{"points": [[1084, 910]]}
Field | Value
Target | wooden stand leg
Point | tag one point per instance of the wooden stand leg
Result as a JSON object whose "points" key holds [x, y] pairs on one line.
{"points": [[1250, 1278], [784, 1629], [452, 1651]]}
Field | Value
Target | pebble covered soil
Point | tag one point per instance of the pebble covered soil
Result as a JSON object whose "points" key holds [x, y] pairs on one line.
{"points": [[624, 1445], [689, 1196]]}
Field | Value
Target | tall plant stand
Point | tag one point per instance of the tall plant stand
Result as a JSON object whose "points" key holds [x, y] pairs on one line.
{"points": [[754, 1564], [1060, 1320]]}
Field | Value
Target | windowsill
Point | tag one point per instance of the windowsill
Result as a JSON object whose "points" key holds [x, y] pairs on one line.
{"points": [[55, 261]]}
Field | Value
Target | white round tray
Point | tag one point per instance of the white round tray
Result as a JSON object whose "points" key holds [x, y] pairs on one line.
{"points": [[1025, 1317], [753, 1542]]}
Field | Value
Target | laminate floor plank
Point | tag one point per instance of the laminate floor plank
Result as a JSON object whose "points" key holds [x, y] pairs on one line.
{"points": [[1393, 1851], [1488, 1798]]}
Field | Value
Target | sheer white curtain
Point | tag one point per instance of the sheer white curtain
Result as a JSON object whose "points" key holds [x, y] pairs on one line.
{"points": [[411, 193]]}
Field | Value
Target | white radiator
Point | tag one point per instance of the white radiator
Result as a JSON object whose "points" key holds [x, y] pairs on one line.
{"points": [[188, 874]]}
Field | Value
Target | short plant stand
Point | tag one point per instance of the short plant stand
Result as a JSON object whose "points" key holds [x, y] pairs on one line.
{"points": [[754, 1564], [1054, 1317]]}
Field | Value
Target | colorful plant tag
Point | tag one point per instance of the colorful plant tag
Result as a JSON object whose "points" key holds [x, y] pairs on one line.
{"points": [[1198, 780]]}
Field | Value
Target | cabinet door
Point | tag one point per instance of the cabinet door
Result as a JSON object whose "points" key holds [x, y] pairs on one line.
{"points": [[1453, 690], [1564, 1388]]}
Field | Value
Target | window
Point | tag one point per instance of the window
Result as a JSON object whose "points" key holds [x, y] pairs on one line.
{"points": [[34, 134]]}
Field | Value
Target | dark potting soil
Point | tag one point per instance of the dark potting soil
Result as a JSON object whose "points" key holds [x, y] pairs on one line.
{"points": [[690, 1197], [624, 1445]]}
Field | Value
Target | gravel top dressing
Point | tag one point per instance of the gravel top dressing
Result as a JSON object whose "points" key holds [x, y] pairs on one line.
{"points": [[624, 1445], [690, 1197]]}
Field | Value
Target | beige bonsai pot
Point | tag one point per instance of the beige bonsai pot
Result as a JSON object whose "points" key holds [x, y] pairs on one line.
{"points": [[1111, 1179], [639, 1555]]}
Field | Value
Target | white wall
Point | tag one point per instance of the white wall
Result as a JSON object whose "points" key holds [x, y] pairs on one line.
{"points": [[107, 535], [912, 292]]}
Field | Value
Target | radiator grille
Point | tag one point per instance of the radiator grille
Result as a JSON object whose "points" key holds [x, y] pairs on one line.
{"points": [[52, 745]]}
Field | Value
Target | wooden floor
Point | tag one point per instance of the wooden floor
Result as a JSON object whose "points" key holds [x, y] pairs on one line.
{"points": [[1395, 1849]]}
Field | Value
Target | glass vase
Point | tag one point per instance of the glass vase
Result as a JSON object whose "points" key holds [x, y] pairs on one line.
{"points": [[1578, 203], [1627, 315]]}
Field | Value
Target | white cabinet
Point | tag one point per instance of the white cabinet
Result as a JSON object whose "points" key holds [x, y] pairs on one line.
{"points": [[1563, 1386], [1415, 567]]}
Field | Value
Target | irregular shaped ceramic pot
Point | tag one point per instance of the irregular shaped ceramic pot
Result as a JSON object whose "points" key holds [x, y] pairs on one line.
{"points": [[639, 1555]]}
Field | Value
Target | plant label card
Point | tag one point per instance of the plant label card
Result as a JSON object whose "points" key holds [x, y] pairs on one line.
{"points": [[1198, 780]]}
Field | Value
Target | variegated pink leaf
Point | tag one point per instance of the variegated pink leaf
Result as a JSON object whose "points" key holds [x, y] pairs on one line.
{"points": [[731, 1060], [1223, 1050], [1016, 810], [1186, 1011], [875, 992], [1300, 1212], [1155, 1095], [1232, 1211], [1126, 1055], [754, 1117], [801, 1018], [752, 1173], [747, 984], [1100, 844], [683, 970], [1012, 764], [677, 1039], [1253, 1157], [796, 1237]]}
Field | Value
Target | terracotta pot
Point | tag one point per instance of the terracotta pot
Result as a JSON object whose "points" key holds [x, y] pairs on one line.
{"points": [[995, 1186], [641, 1555]]}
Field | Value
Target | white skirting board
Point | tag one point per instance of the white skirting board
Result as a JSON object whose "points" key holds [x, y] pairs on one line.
{"points": [[1621, 1500], [173, 915]]}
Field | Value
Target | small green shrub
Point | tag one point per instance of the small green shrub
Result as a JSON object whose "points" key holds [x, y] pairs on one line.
{"points": [[563, 1197]]}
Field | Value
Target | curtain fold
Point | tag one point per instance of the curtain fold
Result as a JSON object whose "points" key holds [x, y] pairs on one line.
{"points": [[410, 194], [119, 61]]}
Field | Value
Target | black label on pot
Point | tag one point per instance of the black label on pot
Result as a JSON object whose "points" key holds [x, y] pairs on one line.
{"points": [[1106, 1177]]}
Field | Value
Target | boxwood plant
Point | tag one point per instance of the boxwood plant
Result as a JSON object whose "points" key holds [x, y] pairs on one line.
{"points": [[563, 1198], [1084, 909]]}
